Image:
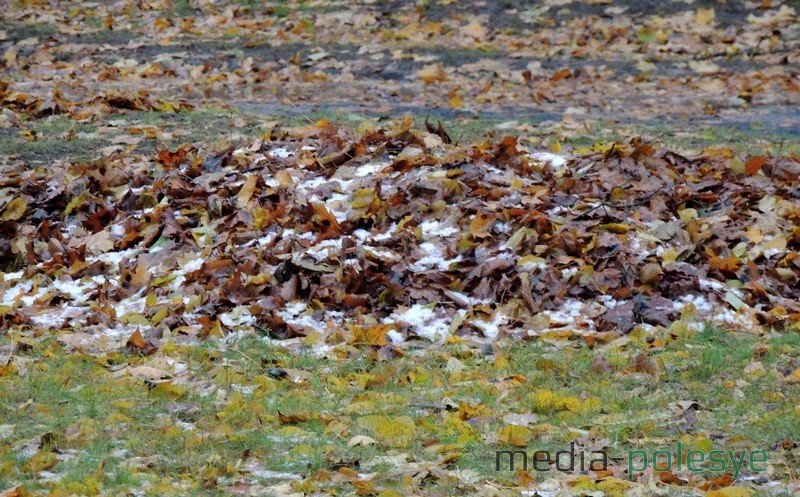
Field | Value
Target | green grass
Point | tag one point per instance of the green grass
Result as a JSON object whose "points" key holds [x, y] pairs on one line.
{"points": [[213, 129], [101, 419]]}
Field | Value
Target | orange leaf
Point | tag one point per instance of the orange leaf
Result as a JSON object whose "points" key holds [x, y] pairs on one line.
{"points": [[247, 191], [171, 159], [324, 218], [559, 75], [480, 224], [136, 340], [754, 163], [726, 264]]}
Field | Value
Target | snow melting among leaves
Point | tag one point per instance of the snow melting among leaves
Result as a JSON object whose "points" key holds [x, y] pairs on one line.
{"points": [[392, 231]]}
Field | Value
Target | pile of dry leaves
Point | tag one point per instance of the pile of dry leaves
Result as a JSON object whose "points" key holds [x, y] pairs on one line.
{"points": [[396, 234]]}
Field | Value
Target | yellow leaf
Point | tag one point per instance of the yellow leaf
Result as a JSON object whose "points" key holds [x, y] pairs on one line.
{"points": [[704, 444], [40, 462], [613, 486], [374, 335], [704, 16], [474, 30], [794, 377], [515, 435], [395, 430], [17, 491], [455, 102], [29, 135], [544, 400], [433, 73], [730, 492], [15, 209]]}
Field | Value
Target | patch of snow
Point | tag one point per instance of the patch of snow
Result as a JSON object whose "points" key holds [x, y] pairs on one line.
{"points": [[268, 474], [234, 336], [73, 290], [244, 389], [280, 153], [395, 337], [113, 258], [424, 320], [117, 230], [382, 253], [266, 239], [530, 266], [569, 272], [436, 228], [238, 316], [15, 292], [727, 316], [117, 332], [566, 315], [434, 259], [700, 303], [557, 211], [134, 304], [709, 284], [555, 160], [491, 328], [185, 426], [608, 301], [324, 249], [364, 235], [293, 314], [370, 168], [11, 276], [55, 317]]}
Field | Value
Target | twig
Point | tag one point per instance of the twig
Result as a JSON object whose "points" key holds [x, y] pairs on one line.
{"points": [[235, 349]]}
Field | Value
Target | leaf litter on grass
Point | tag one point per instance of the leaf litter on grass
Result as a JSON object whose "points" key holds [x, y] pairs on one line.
{"points": [[324, 309], [392, 241]]}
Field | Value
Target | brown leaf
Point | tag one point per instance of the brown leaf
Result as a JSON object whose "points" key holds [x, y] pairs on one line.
{"points": [[601, 365], [644, 364], [439, 131], [292, 419]]}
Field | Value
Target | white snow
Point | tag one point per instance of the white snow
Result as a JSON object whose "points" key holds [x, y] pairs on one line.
{"points": [[436, 228], [425, 322], [15, 292], [370, 168], [555, 160], [434, 259], [364, 235], [569, 272], [238, 316], [11, 276], [293, 314], [491, 328], [324, 249], [280, 153], [700, 303], [382, 253], [72, 289]]}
